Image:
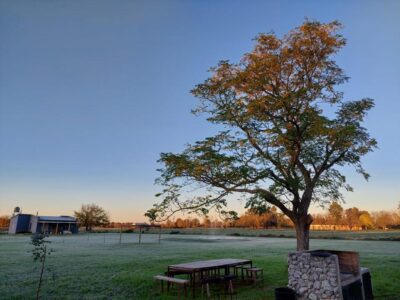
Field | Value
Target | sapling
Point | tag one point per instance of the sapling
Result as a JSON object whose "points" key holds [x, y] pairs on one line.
{"points": [[39, 253]]}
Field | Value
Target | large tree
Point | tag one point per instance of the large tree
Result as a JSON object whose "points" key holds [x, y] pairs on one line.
{"points": [[286, 131], [335, 212], [352, 217], [92, 215]]}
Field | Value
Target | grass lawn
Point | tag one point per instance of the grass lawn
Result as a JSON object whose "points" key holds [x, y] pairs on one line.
{"points": [[96, 266], [381, 235]]}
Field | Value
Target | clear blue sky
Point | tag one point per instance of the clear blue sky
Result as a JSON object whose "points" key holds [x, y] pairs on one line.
{"points": [[92, 91]]}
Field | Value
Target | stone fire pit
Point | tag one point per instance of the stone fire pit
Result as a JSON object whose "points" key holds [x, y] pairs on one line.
{"points": [[326, 275]]}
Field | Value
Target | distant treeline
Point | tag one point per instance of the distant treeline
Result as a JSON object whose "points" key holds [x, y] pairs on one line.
{"points": [[336, 218], [4, 221], [354, 218]]}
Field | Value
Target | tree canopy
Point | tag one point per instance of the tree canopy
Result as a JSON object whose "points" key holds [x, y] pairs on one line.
{"points": [[287, 130], [92, 215], [335, 212]]}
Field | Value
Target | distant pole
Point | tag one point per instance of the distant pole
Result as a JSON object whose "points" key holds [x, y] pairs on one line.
{"points": [[140, 235], [120, 235], [159, 235]]}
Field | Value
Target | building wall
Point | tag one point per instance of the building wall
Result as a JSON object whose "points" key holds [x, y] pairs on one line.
{"points": [[334, 227], [19, 224], [12, 228], [39, 228], [74, 228], [24, 223], [33, 227]]}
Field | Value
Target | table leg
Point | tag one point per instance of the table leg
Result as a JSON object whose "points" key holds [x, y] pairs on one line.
{"points": [[193, 279]]}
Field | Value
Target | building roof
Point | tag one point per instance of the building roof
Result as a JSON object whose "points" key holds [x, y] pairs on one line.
{"points": [[56, 219], [22, 215]]}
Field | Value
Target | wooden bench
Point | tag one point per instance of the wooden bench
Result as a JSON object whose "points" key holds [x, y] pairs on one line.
{"points": [[254, 274], [171, 280], [241, 269]]}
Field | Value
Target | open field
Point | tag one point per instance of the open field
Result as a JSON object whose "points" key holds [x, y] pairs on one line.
{"points": [[96, 266], [368, 235]]}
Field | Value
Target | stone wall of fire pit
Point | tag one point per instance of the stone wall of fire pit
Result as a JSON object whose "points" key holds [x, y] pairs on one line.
{"points": [[314, 276]]}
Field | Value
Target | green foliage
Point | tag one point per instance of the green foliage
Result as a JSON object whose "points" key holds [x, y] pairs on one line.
{"points": [[229, 216], [40, 253], [40, 250], [151, 214], [257, 205]]}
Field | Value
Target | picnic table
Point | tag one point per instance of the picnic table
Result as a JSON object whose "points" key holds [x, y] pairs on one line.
{"points": [[199, 268]]}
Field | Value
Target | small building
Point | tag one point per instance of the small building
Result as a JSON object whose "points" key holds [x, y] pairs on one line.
{"points": [[27, 223], [335, 227]]}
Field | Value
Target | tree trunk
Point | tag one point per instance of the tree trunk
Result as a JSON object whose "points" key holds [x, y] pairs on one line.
{"points": [[302, 226], [41, 275]]}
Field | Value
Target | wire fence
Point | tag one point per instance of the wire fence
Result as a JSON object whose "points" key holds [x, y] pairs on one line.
{"points": [[91, 238], [107, 238]]}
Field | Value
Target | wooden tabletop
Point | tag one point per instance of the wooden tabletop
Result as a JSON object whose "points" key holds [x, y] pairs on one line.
{"points": [[209, 264]]}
